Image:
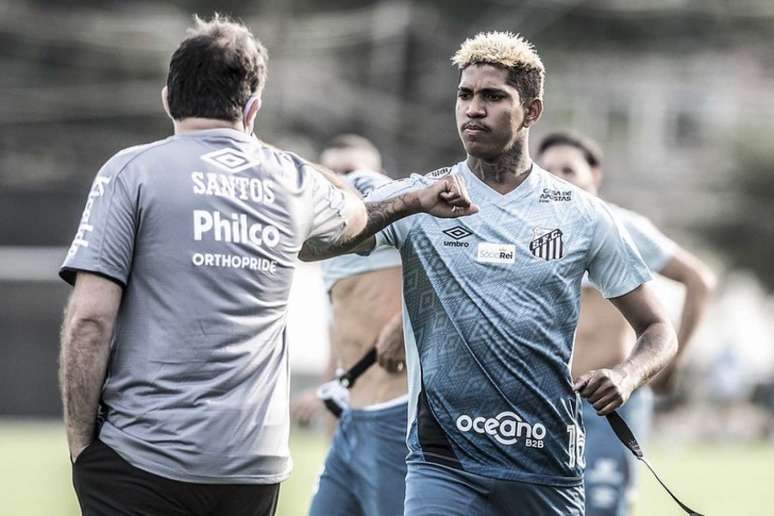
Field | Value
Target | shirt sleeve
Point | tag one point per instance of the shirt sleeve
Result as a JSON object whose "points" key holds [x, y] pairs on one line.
{"points": [[615, 266], [655, 248], [104, 241]]}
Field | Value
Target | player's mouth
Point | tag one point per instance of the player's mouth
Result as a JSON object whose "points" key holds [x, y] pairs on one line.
{"points": [[474, 128]]}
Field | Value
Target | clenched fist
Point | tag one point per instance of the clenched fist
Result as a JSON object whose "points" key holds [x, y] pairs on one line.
{"points": [[605, 389]]}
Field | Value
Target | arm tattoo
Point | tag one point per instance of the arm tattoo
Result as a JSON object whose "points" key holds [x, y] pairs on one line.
{"points": [[380, 215]]}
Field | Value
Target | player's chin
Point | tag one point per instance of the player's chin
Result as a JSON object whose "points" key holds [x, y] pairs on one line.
{"points": [[479, 149]]}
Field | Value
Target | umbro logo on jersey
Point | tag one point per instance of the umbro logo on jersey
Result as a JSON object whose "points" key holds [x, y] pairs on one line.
{"points": [[457, 233], [548, 244], [230, 160]]}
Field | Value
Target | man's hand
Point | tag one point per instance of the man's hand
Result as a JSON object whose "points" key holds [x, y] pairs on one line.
{"points": [[389, 345], [76, 449], [446, 198], [306, 408], [605, 389]]}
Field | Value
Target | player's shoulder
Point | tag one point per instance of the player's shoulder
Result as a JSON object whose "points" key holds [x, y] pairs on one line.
{"points": [[366, 180], [121, 160]]}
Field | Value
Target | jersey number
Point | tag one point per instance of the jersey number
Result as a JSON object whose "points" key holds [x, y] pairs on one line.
{"points": [[576, 446]]}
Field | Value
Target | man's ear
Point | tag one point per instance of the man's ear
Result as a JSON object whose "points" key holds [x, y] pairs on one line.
{"points": [[251, 111], [165, 101], [532, 112]]}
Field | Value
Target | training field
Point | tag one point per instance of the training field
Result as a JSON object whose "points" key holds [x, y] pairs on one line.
{"points": [[731, 480]]}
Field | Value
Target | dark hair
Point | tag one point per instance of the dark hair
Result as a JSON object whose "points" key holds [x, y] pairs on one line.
{"points": [[215, 70], [591, 151], [527, 81]]}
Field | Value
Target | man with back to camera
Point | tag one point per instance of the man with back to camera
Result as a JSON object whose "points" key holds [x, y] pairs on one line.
{"points": [[365, 469], [490, 307], [603, 338], [182, 264]]}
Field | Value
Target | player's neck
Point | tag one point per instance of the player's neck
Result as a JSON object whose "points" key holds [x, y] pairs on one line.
{"points": [[505, 172], [188, 125]]}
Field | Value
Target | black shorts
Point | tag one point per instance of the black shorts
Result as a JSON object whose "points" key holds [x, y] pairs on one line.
{"points": [[107, 485]]}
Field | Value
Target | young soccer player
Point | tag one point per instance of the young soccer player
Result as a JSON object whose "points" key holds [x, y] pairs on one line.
{"points": [[491, 302]]}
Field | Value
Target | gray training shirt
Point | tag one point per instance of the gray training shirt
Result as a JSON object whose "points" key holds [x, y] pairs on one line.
{"points": [[202, 230]]}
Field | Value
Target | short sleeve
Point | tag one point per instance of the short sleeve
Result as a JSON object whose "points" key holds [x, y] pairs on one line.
{"points": [[104, 241], [615, 266], [328, 207], [655, 248], [394, 234]]}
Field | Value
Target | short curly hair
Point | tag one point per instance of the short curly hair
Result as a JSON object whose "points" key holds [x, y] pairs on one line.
{"points": [[509, 51], [215, 70]]}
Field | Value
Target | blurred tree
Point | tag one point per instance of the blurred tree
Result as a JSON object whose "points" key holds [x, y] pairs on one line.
{"points": [[745, 233]]}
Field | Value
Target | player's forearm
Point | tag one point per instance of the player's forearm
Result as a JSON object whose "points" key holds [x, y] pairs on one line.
{"points": [[358, 235], [698, 290], [85, 348], [654, 350]]}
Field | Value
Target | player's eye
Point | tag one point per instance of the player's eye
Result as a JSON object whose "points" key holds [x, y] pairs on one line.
{"points": [[568, 172], [463, 94], [494, 97]]}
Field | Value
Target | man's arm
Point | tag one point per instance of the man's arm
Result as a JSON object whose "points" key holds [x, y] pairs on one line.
{"points": [[390, 350], [699, 282], [85, 348], [445, 198], [608, 389]]}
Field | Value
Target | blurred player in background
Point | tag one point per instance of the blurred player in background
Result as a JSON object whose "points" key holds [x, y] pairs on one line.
{"points": [[604, 338], [365, 470], [490, 307], [182, 266]]}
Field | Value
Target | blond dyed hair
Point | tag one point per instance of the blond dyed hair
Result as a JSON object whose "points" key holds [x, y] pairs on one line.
{"points": [[509, 51]]}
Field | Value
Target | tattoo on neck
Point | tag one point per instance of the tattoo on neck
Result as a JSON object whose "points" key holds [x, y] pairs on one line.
{"points": [[512, 165]]}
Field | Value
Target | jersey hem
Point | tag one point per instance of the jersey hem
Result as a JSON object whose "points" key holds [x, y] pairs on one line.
{"points": [[527, 478], [166, 472]]}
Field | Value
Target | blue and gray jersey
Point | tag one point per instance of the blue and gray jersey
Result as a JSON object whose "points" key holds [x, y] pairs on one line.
{"points": [[491, 302], [345, 266]]}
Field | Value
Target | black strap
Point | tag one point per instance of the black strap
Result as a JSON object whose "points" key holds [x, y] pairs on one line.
{"points": [[626, 436], [349, 378]]}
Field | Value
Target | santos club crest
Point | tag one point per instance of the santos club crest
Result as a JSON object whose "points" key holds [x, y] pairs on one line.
{"points": [[547, 244]]}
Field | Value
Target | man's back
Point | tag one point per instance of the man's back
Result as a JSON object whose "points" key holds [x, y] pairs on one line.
{"points": [[203, 230]]}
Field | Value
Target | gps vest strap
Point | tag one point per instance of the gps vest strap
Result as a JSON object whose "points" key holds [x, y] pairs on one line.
{"points": [[626, 436], [348, 379], [334, 394]]}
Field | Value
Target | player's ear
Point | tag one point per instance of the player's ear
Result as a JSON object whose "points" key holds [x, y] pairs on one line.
{"points": [[251, 111], [165, 101], [532, 112]]}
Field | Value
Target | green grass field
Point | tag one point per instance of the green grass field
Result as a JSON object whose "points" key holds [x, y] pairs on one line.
{"points": [[732, 480]]}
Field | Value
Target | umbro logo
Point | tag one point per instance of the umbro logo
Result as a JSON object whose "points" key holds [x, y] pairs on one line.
{"points": [[457, 233], [230, 160]]}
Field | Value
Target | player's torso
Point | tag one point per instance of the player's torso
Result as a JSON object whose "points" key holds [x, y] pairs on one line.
{"points": [[603, 338], [365, 294], [493, 301], [362, 305]]}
